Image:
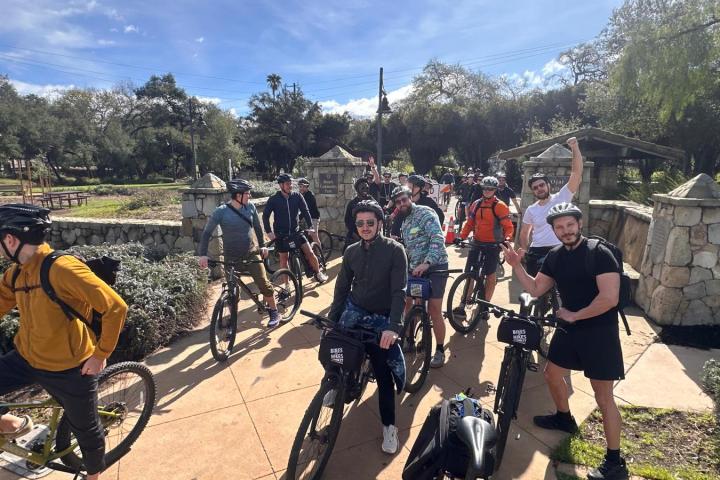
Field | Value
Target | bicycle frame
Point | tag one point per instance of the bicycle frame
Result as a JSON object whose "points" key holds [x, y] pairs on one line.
{"points": [[234, 284]]}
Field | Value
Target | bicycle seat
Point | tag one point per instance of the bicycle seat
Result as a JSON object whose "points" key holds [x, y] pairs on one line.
{"points": [[479, 436]]}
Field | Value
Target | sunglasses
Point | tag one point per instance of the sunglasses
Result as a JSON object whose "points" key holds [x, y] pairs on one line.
{"points": [[362, 223], [538, 186]]}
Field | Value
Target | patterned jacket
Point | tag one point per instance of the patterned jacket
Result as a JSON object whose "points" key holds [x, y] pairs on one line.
{"points": [[423, 237]]}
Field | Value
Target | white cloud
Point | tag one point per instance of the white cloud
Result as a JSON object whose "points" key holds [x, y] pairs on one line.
{"points": [[531, 79], [213, 100], [233, 112], [552, 67], [47, 91], [364, 107], [131, 29], [200, 39], [106, 43], [70, 38]]}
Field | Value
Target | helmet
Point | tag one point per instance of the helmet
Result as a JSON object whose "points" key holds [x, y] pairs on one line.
{"points": [[489, 182], [417, 180], [563, 210], [368, 206], [238, 185], [501, 175], [22, 218], [284, 177], [401, 190], [360, 181], [538, 176], [303, 181]]}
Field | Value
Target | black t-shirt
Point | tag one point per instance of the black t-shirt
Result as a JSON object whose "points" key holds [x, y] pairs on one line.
{"points": [[577, 287], [385, 190], [505, 195], [374, 191]]}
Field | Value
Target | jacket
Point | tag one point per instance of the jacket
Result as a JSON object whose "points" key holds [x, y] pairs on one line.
{"points": [[489, 220], [285, 213]]}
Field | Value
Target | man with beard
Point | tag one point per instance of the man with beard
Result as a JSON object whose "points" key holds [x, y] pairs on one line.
{"points": [[543, 238], [589, 289], [418, 195], [362, 188]]}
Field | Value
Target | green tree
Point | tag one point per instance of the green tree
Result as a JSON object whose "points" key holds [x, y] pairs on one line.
{"points": [[274, 81]]}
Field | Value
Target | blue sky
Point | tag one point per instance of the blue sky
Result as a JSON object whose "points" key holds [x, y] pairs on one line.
{"points": [[223, 50]]}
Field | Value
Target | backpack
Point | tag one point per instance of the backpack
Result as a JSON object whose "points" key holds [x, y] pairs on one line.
{"points": [[625, 296], [437, 448], [497, 227], [105, 268]]}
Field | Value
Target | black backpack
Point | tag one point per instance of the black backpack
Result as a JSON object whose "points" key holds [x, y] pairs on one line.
{"points": [[437, 448], [105, 268], [625, 296]]}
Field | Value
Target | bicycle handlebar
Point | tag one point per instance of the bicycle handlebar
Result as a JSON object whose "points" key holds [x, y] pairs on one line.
{"points": [[466, 244], [323, 323], [499, 311], [441, 272], [233, 264]]}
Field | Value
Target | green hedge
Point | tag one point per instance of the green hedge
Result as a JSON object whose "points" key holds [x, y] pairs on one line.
{"points": [[166, 297]]}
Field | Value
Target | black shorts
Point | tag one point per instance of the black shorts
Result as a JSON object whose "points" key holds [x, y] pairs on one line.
{"points": [[534, 258], [285, 243], [594, 349], [492, 257]]}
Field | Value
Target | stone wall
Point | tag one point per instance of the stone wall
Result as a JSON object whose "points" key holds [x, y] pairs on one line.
{"points": [[625, 224]]}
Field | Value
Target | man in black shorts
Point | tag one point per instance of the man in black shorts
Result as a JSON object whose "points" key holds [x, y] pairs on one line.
{"points": [[591, 340]]}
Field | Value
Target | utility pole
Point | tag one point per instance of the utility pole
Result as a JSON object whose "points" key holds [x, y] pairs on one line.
{"points": [[192, 140], [378, 160]]}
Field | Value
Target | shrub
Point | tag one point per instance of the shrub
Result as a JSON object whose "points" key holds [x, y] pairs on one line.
{"points": [[661, 182], [150, 198], [165, 298], [711, 381]]}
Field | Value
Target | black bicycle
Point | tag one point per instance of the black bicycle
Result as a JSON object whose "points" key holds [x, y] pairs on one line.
{"points": [[347, 373], [223, 325], [416, 335], [523, 334], [329, 241], [464, 307], [297, 263], [540, 306]]}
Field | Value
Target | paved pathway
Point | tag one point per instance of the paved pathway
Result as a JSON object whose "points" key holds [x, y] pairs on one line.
{"points": [[237, 420]]}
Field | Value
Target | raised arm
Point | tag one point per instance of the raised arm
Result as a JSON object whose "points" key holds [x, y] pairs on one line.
{"points": [[577, 165]]}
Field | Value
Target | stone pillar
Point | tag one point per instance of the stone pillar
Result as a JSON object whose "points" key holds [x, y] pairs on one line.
{"points": [[199, 201], [680, 274], [331, 177], [556, 162]]}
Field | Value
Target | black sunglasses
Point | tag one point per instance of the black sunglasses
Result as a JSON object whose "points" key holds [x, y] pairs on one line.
{"points": [[362, 223]]}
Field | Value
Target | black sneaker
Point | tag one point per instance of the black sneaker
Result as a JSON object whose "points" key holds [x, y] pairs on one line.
{"points": [[610, 470], [556, 422]]}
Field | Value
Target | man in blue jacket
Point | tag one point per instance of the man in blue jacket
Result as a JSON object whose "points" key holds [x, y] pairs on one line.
{"points": [[286, 206]]}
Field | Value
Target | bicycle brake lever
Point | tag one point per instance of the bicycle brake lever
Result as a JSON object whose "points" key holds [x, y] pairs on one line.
{"points": [[497, 313]]}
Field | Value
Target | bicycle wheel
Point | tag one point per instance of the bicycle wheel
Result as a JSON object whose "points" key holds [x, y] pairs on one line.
{"points": [[318, 431], [326, 242], [297, 268], [287, 293], [508, 396], [223, 327], [126, 398], [463, 310], [317, 250], [417, 348], [535, 310], [272, 261]]}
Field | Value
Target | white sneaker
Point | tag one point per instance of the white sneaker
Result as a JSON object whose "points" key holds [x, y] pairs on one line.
{"points": [[390, 440], [321, 277], [329, 399]]}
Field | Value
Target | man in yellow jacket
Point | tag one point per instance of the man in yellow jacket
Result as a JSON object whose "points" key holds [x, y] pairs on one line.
{"points": [[61, 355]]}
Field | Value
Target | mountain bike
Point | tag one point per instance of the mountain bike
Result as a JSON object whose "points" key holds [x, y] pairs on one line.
{"points": [[223, 325], [416, 334], [126, 398], [523, 334], [297, 263], [540, 306], [464, 306], [347, 373], [329, 242]]}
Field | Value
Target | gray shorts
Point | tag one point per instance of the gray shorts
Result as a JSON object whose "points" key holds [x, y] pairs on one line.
{"points": [[439, 281]]}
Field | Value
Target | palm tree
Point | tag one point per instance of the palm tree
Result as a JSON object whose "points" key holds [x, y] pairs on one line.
{"points": [[274, 82]]}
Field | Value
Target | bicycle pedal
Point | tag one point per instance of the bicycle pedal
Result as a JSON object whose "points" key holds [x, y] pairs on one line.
{"points": [[533, 367], [490, 389]]}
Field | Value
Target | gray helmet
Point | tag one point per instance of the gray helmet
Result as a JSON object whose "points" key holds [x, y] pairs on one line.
{"points": [[489, 182], [538, 176], [401, 190], [303, 181], [238, 185], [563, 210]]}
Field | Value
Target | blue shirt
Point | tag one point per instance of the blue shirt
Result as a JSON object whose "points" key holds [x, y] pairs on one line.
{"points": [[238, 238]]}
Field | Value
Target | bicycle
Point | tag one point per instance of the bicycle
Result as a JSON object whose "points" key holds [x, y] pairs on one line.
{"points": [[523, 334], [123, 418], [223, 324], [467, 292], [540, 306], [416, 334], [327, 243], [347, 373], [297, 263]]}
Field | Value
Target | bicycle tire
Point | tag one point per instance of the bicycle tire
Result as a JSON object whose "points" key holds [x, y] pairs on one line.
{"points": [[220, 324], [421, 351], [317, 250], [288, 296], [297, 269], [546, 329], [63, 436], [310, 420], [506, 402], [326, 242], [453, 302], [272, 261]]}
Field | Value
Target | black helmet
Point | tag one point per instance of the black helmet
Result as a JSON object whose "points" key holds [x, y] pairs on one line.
{"points": [[368, 206], [401, 190], [238, 185], [284, 177], [563, 210], [22, 218], [538, 176], [417, 180], [303, 181], [359, 181]]}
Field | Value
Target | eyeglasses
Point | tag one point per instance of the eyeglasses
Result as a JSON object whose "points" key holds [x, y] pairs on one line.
{"points": [[362, 223]]}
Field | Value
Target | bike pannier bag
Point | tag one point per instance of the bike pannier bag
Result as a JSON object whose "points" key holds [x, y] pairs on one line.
{"points": [[340, 350], [521, 333]]}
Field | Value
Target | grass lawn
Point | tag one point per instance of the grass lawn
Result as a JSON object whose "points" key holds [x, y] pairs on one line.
{"points": [[146, 204], [657, 443]]}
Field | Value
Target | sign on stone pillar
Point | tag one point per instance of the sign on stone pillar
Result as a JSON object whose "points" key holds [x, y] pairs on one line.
{"points": [[331, 177], [198, 203]]}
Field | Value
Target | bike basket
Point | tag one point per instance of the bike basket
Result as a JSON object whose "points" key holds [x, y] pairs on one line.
{"points": [[419, 288], [521, 333], [340, 350]]}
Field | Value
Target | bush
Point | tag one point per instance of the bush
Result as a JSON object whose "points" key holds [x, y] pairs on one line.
{"points": [[711, 380], [150, 198], [661, 182], [165, 298], [103, 190]]}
